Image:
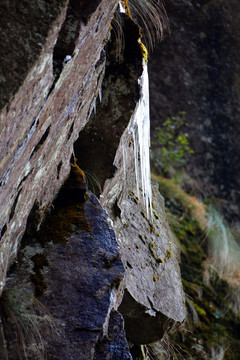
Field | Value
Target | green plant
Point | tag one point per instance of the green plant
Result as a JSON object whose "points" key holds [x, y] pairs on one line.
{"points": [[174, 144]]}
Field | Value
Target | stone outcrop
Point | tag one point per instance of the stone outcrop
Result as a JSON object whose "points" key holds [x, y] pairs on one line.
{"points": [[73, 266], [80, 283], [153, 298]]}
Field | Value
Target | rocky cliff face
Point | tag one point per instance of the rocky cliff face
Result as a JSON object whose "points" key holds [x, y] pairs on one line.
{"points": [[80, 280], [196, 70]]}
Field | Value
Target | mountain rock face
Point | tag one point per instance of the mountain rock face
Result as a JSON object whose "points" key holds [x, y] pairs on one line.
{"points": [[47, 112], [196, 70], [76, 281]]}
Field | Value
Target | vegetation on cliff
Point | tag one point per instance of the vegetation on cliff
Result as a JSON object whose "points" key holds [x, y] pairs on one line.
{"points": [[210, 275]]}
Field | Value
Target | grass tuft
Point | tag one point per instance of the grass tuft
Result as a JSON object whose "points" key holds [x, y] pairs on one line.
{"points": [[23, 316], [152, 17]]}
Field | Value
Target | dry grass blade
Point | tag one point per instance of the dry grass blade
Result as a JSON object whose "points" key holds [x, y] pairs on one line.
{"points": [[151, 15], [93, 182], [119, 35], [22, 316]]}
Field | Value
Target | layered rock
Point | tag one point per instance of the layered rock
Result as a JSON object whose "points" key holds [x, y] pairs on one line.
{"points": [[70, 276], [46, 114], [153, 298]]}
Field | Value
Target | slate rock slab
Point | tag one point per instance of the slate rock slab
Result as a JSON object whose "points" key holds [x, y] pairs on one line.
{"points": [[77, 277]]}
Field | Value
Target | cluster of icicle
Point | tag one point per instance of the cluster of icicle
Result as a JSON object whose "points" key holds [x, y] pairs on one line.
{"points": [[140, 129], [141, 136]]}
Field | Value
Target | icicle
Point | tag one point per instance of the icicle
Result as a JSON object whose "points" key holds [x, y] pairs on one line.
{"points": [[95, 106], [136, 154], [100, 94], [124, 161], [121, 8], [141, 137]]}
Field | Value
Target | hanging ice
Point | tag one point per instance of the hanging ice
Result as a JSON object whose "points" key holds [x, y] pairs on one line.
{"points": [[141, 137], [121, 8], [95, 106], [100, 94], [140, 128]]}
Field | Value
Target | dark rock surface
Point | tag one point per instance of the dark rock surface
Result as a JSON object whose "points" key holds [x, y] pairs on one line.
{"points": [[196, 69], [76, 273], [25, 27], [114, 346], [97, 143]]}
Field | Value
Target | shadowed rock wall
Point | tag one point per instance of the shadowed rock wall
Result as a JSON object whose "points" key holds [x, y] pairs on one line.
{"points": [[196, 69]]}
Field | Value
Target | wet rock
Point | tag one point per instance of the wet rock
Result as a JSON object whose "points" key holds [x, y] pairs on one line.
{"points": [[69, 277]]}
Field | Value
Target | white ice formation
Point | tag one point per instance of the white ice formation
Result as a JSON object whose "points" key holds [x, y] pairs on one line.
{"points": [[121, 8], [141, 137], [139, 128]]}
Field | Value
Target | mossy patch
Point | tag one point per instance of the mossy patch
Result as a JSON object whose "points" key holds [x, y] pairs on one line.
{"points": [[78, 174], [63, 222], [37, 277]]}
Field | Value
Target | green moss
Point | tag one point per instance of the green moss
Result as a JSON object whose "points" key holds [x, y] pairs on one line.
{"points": [[142, 238], [63, 222], [152, 228], [157, 258], [199, 310], [144, 214], [169, 255], [87, 196], [78, 174]]}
